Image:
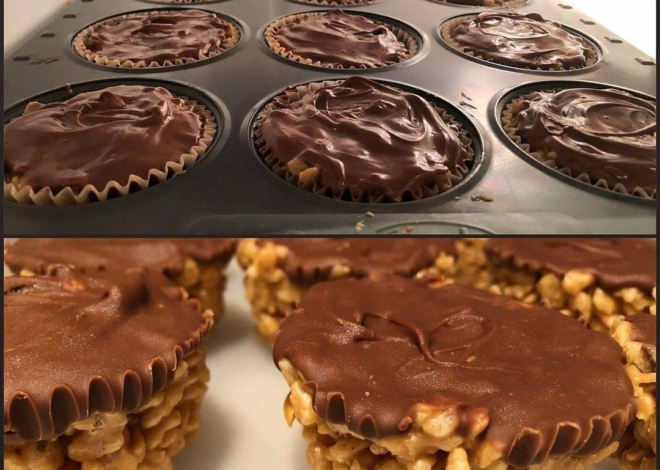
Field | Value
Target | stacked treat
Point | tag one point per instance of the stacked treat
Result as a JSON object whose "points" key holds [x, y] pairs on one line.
{"points": [[103, 362], [399, 358], [353, 139]]}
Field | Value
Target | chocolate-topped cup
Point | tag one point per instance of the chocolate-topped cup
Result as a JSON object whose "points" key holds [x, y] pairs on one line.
{"points": [[195, 264], [594, 280], [335, 39], [156, 38], [363, 141], [103, 143], [278, 271], [604, 137], [516, 40], [637, 335], [102, 371], [390, 372]]}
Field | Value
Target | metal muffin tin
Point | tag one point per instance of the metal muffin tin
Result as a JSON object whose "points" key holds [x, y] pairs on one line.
{"points": [[231, 192]]}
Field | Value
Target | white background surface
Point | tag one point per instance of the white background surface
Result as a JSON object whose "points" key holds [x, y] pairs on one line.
{"points": [[632, 20], [242, 418]]}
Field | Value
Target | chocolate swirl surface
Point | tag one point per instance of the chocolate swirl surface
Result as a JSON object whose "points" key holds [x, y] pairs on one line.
{"points": [[616, 263], [160, 36], [75, 345], [527, 41], [365, 137], [486, 356], [310, 260], [607, 134], [98, 137], [103, 254], [339, 39]]}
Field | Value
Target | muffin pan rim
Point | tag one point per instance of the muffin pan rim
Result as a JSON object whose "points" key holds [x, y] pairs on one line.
{"points": [[244, 30], [479, 143], [211, 102], [504, 97], [601, 50], [416, 33]]}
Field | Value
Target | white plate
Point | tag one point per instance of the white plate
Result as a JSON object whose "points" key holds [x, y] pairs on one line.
{"points": [[242, 424]]}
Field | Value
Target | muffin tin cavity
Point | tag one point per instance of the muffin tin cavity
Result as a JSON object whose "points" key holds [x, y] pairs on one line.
{"points": [[412, 39], [593, 54], [502, 116], [230, 35], [448, 112], [214, 130]]}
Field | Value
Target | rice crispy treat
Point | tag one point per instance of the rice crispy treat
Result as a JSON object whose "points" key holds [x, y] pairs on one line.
{"points": [[278, 271], [594, 280], [195, 264], [638, 338], [399, 374], [102, 372]]}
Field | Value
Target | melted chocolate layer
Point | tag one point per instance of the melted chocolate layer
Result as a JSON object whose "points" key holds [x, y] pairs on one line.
{"points": [[161, 36], [310, 260], [103, 254], [75, 345], [615, 262], [100, 136], [526, 41], [336, 38], [607, 134], [365, 137], [644, 329], [524, 367]]}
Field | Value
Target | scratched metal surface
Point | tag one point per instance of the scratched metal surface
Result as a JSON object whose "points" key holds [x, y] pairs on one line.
{"points": [[231, 192]]}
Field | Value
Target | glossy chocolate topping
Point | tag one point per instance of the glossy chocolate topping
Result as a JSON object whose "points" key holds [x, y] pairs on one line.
{"points": [[364, 136], [527, 41], [75, 345], [100, 136], [615, 262], [371, 351], [336, 38], [160, 36], [310, 260], [607, 134], [102, 254], [644, 328]]}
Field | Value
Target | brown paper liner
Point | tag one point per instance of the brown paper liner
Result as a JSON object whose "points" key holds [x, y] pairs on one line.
{"points": [[402, 36], [16, 192], [344, 3], [592, 57], [441, 184], [80, 45], [548, 159]]}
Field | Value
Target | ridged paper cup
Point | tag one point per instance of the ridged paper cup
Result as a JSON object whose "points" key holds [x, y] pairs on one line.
{"points": [[81, 40], [591, 55], [411, 44], [16, 192], [299, 177], [511, 111]]}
